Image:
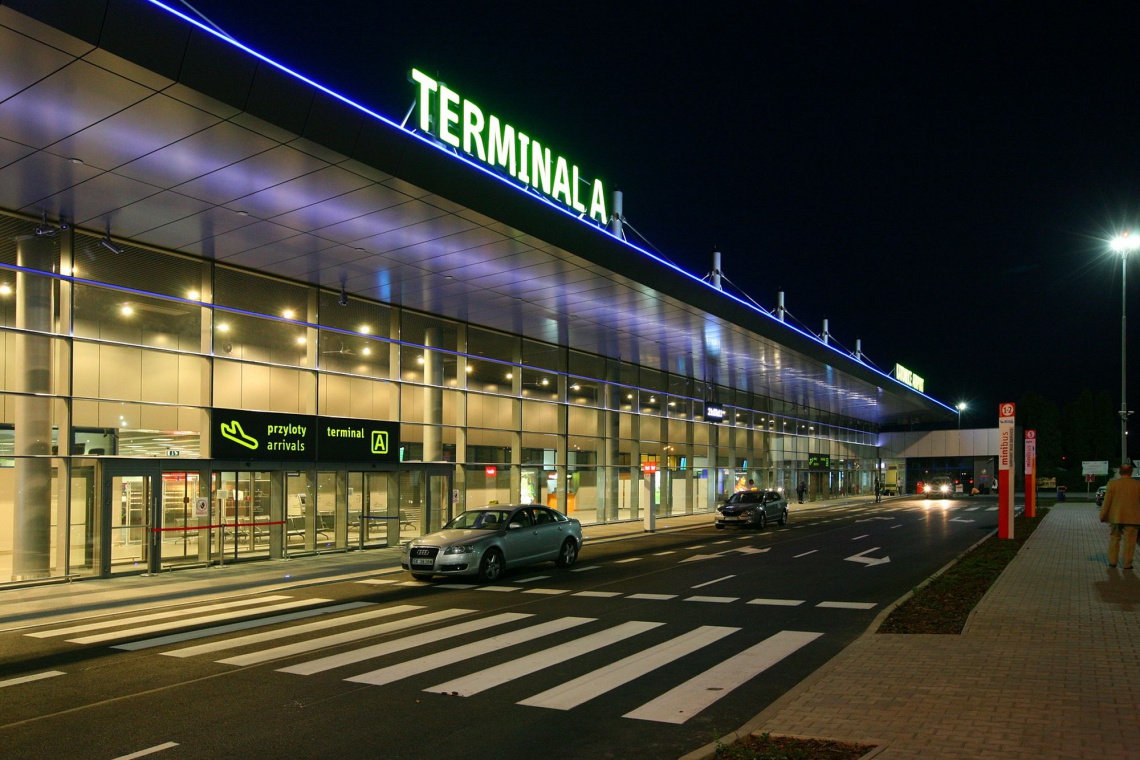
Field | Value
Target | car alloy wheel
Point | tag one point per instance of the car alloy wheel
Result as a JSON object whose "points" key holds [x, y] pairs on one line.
{"points": [[784, 518], [762, 523], [568, 555], [492, 566]]}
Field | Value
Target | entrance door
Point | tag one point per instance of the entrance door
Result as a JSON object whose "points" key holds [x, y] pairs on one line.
{"points": [[373, 509], [148, 518], [128, 508], [425, 500], [243, 511]]}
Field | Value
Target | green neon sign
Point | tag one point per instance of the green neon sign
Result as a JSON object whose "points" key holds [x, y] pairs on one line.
{"points": [[464, 125], [904, 375]]}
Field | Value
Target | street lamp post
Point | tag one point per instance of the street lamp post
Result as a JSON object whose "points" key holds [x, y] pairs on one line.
{"points": [[1123, 244], [961, 408]]}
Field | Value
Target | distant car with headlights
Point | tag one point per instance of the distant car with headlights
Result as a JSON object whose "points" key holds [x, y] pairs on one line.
{"points": [[1100, 495], [939, 488], [752, 509], [485, 542]]}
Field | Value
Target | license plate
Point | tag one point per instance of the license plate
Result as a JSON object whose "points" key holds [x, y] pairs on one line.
{"points": [[423, 561], [733, 519]]}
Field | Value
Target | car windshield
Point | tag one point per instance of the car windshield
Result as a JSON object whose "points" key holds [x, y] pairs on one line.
{"points": [[479, 519], [744, 497]]}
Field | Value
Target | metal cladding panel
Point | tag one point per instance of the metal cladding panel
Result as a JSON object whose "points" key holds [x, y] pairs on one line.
{"points": [[136, 218], [37, 61], [394, 217], [276, 165], [67, 101], [325, 213], [98, 199], [147, 126], [39, 176], [199, 154], [301, 191]]}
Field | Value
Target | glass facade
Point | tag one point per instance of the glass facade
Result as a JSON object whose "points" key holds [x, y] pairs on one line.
{"points": [[114, 363]]}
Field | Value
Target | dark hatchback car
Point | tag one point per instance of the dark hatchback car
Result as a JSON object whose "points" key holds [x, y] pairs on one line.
{"points": [[752, 509]]}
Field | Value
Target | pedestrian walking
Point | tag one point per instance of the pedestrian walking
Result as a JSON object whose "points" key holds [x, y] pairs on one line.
{"points": [[878, 491], [800, 489], [1121, 510]]}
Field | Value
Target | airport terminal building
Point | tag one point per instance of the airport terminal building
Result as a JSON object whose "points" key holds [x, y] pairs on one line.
{"points": [[242, 317]]}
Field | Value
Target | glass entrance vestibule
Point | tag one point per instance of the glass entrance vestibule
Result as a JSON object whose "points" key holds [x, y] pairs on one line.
{"points": [[151, 516]]}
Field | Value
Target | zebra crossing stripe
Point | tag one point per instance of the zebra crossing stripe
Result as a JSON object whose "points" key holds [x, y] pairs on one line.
{"points": [[598, 594], [102, 637], [524, 666], [257, 638], [847, 605], [467, 651], [653, 597], [399, 645], [177, 638], [29, 679], [165, 614], [683, 702], [594, 684], [778, 602], [336, 639]]}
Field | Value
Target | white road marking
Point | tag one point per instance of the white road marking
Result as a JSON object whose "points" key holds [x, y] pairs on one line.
{"points": [[467, 651], [653, 597], [532, 579], [683, 702], [895, 526], [399, 645], [202, 633], [813, 551], [624, 561], [458, 586], [378, 581], [662, 554], [584, 569], [148, 751], [778, 602], [509, 671], [415, 583], [101, 637], [598, 594], [257, 638], [847, 605], [154, 616], [502, 589], [709, 583], [548, 591], [29, 679], [725, 541], [346, 637], [865, 535], [584, 688], [712, 599]]}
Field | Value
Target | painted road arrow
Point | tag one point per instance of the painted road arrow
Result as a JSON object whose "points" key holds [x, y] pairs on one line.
{"points": [[868, 561], [741, 549]]}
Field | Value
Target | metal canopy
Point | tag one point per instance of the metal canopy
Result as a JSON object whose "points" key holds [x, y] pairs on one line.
{"points": [[183, 140]]}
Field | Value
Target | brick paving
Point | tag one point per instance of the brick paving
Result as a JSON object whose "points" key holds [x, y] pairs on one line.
{"points": [[1047, 667]]}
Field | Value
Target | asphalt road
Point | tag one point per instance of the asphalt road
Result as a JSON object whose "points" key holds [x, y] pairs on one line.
{"points": [[648, 648]]}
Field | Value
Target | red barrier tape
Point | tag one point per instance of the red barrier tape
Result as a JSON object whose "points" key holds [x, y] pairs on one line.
{"points": [[212, 527]]}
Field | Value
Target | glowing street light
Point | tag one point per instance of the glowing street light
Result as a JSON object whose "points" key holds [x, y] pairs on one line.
{"points": [[1123, 244], [961, 408]]}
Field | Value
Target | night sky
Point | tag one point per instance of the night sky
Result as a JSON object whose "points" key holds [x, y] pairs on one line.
{"points": [[937, 179]]}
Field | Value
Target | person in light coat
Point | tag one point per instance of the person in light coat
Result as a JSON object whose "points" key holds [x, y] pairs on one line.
{"points": [[1121, 509]]}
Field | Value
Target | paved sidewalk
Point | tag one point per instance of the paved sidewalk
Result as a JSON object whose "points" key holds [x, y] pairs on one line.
{"points": [[23, 606], [1048, 666]]}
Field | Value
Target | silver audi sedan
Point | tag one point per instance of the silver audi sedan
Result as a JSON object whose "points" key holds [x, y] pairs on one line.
{"points": [[486, 541]]}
